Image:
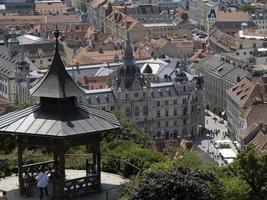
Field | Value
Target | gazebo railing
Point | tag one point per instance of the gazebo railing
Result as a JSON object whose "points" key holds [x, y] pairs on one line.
{"points": [[80, 185], [31, 170]]}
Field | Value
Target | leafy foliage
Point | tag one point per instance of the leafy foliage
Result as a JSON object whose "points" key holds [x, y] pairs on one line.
{"points": [[190, 159], [177, 183], [138, 156], [246, 7], [83, 7], [252, 168], [235, 189], [129, 132], [7, 144]]}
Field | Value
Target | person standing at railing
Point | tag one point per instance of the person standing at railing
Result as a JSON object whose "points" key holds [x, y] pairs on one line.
{"points": [[42, 183], [3, 195]]}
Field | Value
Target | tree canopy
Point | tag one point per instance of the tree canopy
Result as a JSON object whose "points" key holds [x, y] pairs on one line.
{"points": [[246, 7], [177, 183]]}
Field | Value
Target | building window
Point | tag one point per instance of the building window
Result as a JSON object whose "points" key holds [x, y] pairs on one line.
{"points": [[245, 53], [175, 102], [175, 123], [175, 134], [166, 102], [158, 113], [175, 112], [166, 123], [184, 122], [128, 112], [184, 100], [126, 96], [112, 108], [158, 103], [145, 110], [136, 111], [103, 108], [167, 113], [184, 88], [158, 124], [237, 53], [41, 62]]}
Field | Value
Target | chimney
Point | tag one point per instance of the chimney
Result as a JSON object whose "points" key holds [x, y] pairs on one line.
{"points": [[238, 79]]}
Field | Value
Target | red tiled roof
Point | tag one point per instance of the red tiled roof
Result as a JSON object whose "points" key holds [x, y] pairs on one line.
{"points": [[232, 16]]}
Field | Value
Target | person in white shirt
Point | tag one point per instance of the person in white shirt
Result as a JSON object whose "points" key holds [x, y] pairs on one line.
{"points": [[42, 183]]}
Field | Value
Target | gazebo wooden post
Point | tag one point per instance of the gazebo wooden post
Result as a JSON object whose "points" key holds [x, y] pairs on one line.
{"points": [[56, 172], [61, 170], [98, 163], [20, 162]]}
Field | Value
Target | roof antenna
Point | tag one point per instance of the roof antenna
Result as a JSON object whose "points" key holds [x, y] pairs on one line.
{"points": [[56, 33]]}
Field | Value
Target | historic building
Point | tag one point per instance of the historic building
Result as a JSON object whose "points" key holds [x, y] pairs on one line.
{"points": [[169, 109], [14, 82]]}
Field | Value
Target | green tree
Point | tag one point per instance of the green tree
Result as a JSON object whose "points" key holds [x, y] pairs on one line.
{"points": [[134, 154], [177, 183], [251, 167], [246, 7], [190, 159], [235, 189], [83, 7], [129, 133]]}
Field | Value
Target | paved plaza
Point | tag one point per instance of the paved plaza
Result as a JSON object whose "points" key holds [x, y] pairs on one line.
{"points": [[109, 181], [206, 141]]}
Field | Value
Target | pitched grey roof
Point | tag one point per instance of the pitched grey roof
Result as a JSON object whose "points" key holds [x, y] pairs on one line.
{"points": [[8, 64], [165, 89], [74, 120], [221, 68], [101, 96]]}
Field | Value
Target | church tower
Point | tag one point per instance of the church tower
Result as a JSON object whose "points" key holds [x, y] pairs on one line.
{"points": [[129, 75]]}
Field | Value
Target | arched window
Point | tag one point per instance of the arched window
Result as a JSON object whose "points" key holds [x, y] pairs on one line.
{"points": [[128, 112]]}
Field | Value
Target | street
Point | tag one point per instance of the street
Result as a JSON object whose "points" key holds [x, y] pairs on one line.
{"points": [[206, 142]]}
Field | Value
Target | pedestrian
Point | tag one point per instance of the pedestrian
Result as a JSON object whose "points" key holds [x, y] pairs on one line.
{"points": [[42, 183], [3, 196]]}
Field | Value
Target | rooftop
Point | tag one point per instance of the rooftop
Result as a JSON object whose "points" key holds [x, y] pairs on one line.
{"points": [[232, 16]]}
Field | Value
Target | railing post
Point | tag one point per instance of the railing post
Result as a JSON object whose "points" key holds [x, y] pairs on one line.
{"points": [[106, 194]]}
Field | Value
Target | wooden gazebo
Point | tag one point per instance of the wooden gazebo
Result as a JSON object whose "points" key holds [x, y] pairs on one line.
{"points": [[57, 123]]}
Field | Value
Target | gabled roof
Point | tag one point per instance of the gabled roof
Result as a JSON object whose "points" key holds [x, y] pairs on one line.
{"points": [[57, 83]]}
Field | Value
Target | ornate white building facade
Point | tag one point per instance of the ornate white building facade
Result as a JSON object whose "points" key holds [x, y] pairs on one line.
{"points": [[163, 109]]}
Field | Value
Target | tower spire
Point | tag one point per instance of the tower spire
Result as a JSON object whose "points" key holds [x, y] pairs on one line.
{"points": [[128, 52]]}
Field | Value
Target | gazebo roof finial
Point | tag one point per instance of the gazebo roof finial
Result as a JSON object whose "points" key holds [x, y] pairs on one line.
{"points": [[56, 34], [57, 83]]}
